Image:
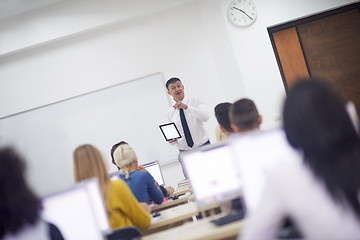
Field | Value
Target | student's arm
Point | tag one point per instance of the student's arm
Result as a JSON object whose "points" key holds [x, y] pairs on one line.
{"points": [[130, 206], [154, 192], [268, 217]]}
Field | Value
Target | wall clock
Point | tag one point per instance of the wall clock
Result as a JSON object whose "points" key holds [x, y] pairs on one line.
{"points": [[242, 12]]}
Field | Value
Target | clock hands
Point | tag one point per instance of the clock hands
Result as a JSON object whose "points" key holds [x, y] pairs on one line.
{"points": [[243, 12]]}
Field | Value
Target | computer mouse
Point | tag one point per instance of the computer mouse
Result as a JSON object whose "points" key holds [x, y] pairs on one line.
{"points": [[155, 214], [175, 197]]}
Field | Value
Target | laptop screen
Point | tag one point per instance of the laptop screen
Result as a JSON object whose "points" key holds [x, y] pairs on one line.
{"points": [[213, 174], [78, 212], [114, 175], [154, 169]]}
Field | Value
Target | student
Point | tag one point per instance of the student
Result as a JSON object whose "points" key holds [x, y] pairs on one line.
{"points": [[320, 192], [141, 183], [19, 207], [167, 191], [123, 208], [222, 116], [244, 116]]}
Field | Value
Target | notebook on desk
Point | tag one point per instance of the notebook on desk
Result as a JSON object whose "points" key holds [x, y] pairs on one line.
{"points": [[154, 169]]}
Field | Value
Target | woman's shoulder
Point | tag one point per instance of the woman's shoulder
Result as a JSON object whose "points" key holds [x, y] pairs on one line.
{"points": [[118, 183], [143, 176], [140, 173]]}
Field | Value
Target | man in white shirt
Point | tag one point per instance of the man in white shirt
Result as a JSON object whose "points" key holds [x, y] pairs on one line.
{"points": [[195, 113]]}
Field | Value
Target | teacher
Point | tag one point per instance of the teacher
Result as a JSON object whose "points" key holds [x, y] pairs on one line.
{"points": [[189, 115]]}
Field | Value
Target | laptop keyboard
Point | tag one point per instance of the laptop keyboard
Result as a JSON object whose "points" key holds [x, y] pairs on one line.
{"points": [[228, 218]]}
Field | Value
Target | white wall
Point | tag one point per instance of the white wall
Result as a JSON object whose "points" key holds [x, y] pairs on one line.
{"points": [[74, 47]]}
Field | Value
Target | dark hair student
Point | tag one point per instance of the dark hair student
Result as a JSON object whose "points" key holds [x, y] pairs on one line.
{"points": [[19, 206], [317, 187], [316, 121]]}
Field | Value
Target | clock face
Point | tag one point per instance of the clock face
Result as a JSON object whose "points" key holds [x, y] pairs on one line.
{"points": [[242, 12]]}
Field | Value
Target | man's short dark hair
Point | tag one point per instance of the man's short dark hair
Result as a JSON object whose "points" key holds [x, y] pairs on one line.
{"points": [[172, 80], [244, 114], [222, 115]]}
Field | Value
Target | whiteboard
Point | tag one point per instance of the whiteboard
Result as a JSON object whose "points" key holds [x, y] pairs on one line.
{"points": [[47, 136]]}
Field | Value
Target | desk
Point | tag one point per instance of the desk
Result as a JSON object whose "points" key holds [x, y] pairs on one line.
{"points": [[172, 217], [181, 190], [202, 229], [176, 216], [172, 203]]}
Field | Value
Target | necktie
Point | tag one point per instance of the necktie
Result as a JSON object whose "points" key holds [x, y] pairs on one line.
{"points": [[185, 126]]}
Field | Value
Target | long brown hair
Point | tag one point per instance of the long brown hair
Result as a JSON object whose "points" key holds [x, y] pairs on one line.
{"points": [[89, 163]]}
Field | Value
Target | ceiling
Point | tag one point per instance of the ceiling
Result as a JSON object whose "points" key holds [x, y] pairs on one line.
{"points": [[10, 8]]}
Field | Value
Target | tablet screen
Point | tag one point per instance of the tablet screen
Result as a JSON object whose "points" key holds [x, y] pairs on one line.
{"points": [[170, 131]]}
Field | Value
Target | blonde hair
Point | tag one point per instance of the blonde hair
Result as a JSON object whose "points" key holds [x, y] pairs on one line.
{"points": [[124, 156], [88, 163]]}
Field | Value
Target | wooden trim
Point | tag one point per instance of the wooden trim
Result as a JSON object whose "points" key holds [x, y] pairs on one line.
{"points": [[314, 17], [290, 55], [293, 24]]}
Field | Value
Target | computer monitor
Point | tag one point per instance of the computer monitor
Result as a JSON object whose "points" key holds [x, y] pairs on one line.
{"points": [[78, 212], [213, 174], [154, 169], [114, 175], [256, 155]]}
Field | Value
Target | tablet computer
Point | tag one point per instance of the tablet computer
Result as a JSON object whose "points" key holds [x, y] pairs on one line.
{"points": [[170, 131]]}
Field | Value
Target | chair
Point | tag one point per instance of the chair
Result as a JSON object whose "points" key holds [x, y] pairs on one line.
{"points": [[125, 233]]}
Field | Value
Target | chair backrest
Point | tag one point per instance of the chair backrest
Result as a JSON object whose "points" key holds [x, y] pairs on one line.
{"points": [[125, 233]]}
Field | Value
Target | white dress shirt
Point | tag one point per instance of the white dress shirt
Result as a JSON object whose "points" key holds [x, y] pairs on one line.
{"points": [[292, 190], [196, 114]]}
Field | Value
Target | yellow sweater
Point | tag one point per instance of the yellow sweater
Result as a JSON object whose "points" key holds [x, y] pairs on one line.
{"points": [[125, 210]]}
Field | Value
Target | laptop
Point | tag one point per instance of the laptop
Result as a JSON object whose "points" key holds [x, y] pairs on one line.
{"points": [[154, 169], [213, 174], [114, 175], [78, 212]]}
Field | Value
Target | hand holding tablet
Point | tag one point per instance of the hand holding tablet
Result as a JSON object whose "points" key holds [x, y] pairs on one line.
{"points": [[170, 131]]}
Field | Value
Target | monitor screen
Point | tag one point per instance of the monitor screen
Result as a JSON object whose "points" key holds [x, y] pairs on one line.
{"points": [[257, 153], [78, 212], [154, 169], [213, 175], [114, 176]]}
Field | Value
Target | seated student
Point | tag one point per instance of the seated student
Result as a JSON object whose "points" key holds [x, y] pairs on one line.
{"points": [[167, 190], [320, 191], [141, 183], [123, 208], [223, 130], [19, 207], [244, 116]]}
